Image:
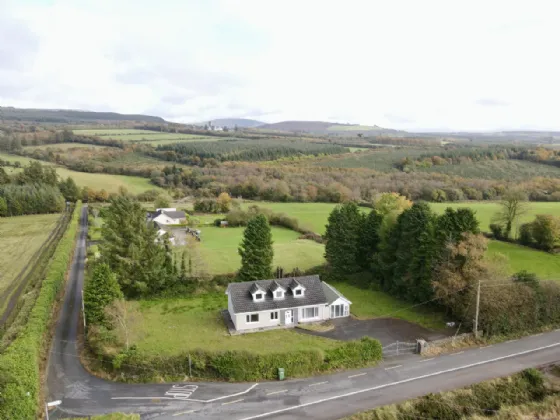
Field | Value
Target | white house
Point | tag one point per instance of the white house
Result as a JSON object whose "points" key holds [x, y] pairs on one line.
{"points": [[168, 216], [263, 304]]}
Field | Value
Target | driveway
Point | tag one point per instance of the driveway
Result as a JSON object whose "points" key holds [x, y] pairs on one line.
{"points": [[386, 330]]}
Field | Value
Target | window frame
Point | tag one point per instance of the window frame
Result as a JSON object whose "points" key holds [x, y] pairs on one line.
{"points": [[248, 318], [256, 296], [315, 310], [298, 292], [274, 316], [278, 294]]}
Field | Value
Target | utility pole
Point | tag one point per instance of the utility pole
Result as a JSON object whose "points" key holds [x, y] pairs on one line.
{"points": [[475, 330]]}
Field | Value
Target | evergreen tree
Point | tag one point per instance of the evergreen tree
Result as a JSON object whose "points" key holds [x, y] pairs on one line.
{"points": [[131, 248], [4, 177], [183, 271], [453, 223], [369, 239], [342, 239], [3, 207], [256, 250], [100, 290], [69, 190]]}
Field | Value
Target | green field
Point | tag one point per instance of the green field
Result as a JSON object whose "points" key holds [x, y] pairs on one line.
{"points": [[20, 238], [217, 252], [111, 183], [543, 264], [486, 210], [171, 326], [64, 146], [497, 169], [367, 304], [147, 136]]}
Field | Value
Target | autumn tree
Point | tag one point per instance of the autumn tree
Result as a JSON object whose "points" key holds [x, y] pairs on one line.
{"points": [[545, 230], [256, 250], [224, 202], [162, 201]]}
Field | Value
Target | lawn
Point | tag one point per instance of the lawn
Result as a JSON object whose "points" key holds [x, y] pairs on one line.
{"points": [[21, 237], [367, 304], [485, 210], [217, 252], [543, 264], [111, 183], [174, 325]]}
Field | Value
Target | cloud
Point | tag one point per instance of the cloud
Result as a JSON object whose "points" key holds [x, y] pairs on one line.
{"points": [[491, 102], [406, 64]]}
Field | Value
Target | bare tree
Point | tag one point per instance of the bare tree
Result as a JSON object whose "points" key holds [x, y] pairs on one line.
{"points": [[124, 320], [512, 207]]}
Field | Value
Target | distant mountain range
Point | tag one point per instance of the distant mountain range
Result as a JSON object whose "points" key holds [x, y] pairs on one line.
{"points": [[328, 128], [70, 116], [231, 123]]}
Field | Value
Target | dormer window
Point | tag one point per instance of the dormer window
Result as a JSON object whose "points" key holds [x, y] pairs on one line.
{"points": [[298, 292], [257, 292], [258, 296], [279, 294], [277, 290]]}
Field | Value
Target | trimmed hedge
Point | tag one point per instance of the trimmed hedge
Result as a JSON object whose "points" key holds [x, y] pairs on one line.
{"points": [[242, 365], [21, 360]]}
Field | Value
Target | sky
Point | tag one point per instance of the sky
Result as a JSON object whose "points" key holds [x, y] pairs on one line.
{"points": [[411, 65]]}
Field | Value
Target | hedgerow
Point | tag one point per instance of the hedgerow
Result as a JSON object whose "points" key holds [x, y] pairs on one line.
{"points": [[19, 393], [241, 365]]}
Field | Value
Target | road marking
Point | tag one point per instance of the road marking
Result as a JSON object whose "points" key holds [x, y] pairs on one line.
{"points": [[393, 367], [426, 360], [361, 391], [455, 354], [233, 402], [319, 383], [187, 399], [359, 374], [183, 412], [277, 392]]}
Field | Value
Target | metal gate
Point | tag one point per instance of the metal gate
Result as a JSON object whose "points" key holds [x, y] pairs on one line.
{"points": [[399, 348]]}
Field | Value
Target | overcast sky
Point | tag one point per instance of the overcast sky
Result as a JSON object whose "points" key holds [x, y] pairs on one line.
{"points": [[414, 65]]}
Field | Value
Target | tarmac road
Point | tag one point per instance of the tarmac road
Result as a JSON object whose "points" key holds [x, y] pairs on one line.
{"points": [[322, 397]]}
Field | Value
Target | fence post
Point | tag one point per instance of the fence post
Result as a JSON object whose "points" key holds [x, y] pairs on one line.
{"points": [[190, 366]]}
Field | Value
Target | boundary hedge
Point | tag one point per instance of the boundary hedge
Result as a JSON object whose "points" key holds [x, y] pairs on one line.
{"points": [[19, 365], [241, 365]]}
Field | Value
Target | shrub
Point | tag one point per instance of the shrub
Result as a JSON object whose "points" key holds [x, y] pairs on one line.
{"points": [[22, 358], [497, 231]]}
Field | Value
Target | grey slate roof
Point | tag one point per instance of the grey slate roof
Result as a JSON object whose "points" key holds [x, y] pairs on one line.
{"points": [[175, 214], [274, 286], [255, 288], [242, 300], [331, 293]]}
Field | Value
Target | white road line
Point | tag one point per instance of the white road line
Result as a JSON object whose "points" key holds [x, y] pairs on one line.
{"points": [[426, 360], [277, 392], [233, 402], [359, 374], [455, 354], [361, 391], [186, 399], [393, 367], [183, 412], [318, 383]]}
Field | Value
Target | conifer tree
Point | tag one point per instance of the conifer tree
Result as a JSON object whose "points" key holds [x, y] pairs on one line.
{"points": [[256, 250], [101, 289]]}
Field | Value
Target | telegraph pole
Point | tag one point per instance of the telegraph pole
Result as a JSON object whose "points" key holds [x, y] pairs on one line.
{"points": [[475, 330]]}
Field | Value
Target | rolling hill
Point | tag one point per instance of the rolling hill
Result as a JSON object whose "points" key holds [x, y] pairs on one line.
{"points": [[329, 128], [69, 116]]}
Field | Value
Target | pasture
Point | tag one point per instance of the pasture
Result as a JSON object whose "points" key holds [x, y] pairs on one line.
{"points": [[146, 136], [171, 326], [64, 146], [217, 252], [108, 182], [543, 264], [21, 237]]}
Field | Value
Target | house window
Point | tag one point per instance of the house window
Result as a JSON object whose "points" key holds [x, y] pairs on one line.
{"points": [[299, 292], [307, 313], [279, 294], [258, 296], [274, 315], [251, 318]]}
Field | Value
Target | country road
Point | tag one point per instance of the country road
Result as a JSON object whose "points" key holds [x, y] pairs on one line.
{"points": [[323, 397]]}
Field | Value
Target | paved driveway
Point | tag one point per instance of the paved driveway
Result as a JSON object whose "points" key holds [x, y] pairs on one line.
{"points": [[386, 330]]}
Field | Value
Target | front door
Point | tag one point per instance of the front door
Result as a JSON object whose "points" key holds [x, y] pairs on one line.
{"points": [[288, 317]]}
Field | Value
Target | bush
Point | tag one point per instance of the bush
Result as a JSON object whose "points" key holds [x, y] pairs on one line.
{"points": [[22, 358], [497, 231], [242, 365]]}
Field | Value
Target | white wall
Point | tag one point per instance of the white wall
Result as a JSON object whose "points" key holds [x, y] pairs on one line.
{"points": [[264, 321], [230, 310], [323, 314]]}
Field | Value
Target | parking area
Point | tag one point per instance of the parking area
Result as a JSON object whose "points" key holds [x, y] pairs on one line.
{"points": [[386, 330]]}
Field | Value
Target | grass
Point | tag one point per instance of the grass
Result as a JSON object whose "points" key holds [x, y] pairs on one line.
{"points": [[151, 137], [486, 210], [109, 182], [171, 326], [367, 304], [543, 264], [21, 237], [499, 169], [64, 146], [217, 252]]}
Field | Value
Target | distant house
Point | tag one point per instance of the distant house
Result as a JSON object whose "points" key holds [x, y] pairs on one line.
{"points": [[264, 304], [168, 216]]}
